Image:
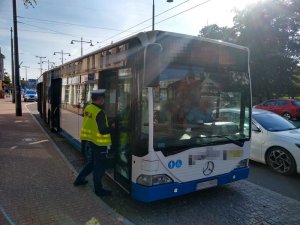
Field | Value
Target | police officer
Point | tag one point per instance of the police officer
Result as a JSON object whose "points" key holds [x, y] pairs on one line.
{"points": [[96, 131]]}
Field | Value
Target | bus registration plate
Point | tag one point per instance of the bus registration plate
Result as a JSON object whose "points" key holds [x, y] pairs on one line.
{"points": [[207, 184]]}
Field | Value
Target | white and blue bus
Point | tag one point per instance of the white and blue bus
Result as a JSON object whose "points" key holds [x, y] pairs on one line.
{"points": [[155, 82]]}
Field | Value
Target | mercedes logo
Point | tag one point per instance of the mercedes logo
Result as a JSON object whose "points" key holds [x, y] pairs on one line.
{"points": [[208, 168]]}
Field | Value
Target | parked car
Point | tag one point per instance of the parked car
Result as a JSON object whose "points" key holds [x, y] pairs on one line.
{"points": [[288, 108], [30, 95], [275, 141]]}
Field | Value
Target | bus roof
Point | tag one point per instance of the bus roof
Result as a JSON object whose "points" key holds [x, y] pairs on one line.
{"points": [[149, 37]]}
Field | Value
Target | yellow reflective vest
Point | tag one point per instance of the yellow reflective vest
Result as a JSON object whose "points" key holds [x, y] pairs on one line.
{"points": [[90, 130]]}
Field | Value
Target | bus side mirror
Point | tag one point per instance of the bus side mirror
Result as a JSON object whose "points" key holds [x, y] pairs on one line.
{"points": [[152, 65]]}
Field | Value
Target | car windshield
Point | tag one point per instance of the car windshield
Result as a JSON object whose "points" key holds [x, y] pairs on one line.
{"points": [[273, 122], [30, 92]]}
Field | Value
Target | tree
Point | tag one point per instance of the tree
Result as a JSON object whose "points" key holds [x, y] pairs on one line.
{"points": [[6, 79], [271, 31], [219, 33], [23, 83]]}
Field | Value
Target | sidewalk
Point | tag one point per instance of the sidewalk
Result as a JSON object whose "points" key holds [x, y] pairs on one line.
{"points": [[36, 184]]}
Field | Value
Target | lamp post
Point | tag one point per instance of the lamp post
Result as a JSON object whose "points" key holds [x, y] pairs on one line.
{"points": [[153, 12], [62, 55], [53, 63], [41, 62], [81, 42], [26, 72], [41, 65]]}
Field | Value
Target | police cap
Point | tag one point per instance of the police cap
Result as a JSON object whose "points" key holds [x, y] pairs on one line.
{"points": [[98, 93]]}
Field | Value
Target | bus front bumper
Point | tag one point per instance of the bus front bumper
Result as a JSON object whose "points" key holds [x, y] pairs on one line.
{"points": [[153, 193]]}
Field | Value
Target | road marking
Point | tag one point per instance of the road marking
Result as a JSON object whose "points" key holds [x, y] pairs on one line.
{"points": [[7, 217]]}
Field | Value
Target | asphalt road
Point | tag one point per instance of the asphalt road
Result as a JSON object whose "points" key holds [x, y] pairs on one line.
{"points": [[286, 185]]}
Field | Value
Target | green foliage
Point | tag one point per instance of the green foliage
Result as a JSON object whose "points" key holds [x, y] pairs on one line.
{"points": [[271, 31], [219, 33], [6, 79], [23, 83]]}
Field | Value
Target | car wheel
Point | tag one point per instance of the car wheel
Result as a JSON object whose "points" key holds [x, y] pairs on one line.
{"points": [[281, 161], [287, 115]]}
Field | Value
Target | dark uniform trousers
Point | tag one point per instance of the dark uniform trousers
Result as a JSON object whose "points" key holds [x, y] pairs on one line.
{"points": [[96, 163]]}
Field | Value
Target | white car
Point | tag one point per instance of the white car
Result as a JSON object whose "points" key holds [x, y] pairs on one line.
{"points": [[275, 141]]}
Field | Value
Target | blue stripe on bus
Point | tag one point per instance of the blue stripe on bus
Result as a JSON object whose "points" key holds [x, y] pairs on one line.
{"points": [[153, 193], [76, 144]]}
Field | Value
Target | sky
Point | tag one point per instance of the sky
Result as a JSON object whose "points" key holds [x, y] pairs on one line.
{"points": [[51, 25]]}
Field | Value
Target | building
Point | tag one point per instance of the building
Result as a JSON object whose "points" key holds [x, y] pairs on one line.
{"points": [[1, 68]]}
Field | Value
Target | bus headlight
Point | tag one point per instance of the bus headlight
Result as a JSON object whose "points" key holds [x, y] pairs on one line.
{"points": [[151, 180], [243, 163]]}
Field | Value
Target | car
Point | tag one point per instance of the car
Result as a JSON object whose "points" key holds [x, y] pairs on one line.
{"points": [[30, 95], [275, 142], [288, 108]]}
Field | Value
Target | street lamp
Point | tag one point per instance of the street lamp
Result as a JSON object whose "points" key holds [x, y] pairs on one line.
{"points": [[53, 63], [153, 12], [62, 55], [82, 41], [26, 72], [41, 62]]}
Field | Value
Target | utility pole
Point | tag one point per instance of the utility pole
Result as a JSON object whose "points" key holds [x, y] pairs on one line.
{"points": [[62, 55], [13, 99], [17, 66]]}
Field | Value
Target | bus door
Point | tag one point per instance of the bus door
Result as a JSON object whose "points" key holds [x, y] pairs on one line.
{"points": [[55, 104], [118, 85]]}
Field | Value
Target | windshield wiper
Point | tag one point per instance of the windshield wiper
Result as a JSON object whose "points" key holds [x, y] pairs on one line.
{"points": [[237, 142]]}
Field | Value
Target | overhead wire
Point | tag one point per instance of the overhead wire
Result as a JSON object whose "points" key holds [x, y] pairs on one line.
{"points": [[57, 32], [109, 38], [184, 11], [118, 34], [124, 31], [73, 24]]}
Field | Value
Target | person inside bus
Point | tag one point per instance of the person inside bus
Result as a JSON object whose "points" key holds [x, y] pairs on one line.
{"points": [[199, 113], [96, 132]]}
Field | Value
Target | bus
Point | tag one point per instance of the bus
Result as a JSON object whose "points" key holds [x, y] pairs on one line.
{"points": [[155, 82]]}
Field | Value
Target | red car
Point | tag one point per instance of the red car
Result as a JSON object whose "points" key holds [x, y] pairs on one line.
{"points": [[288, 108]]}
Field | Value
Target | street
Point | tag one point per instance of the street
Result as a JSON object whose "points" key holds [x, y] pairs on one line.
{"points": [[256, 200], [286, 185]]}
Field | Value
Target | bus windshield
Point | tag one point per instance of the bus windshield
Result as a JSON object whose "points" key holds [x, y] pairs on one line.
{"points": [[194, 107]]}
